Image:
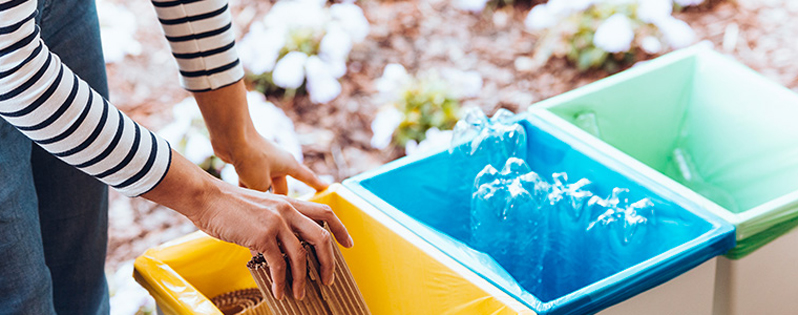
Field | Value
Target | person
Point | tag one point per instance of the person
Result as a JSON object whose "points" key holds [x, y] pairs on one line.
{"points": [[63, 143]]}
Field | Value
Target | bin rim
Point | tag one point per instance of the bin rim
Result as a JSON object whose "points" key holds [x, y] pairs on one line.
{"points": [[748, 223], [156, 276], [600, 294]]}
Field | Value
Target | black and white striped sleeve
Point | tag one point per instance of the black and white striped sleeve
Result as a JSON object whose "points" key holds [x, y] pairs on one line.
{"points": [[52, 106], [200, 35]]}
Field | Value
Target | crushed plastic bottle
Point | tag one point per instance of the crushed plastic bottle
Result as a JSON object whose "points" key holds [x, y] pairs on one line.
{"points": [[588, 121], [569, 198], [690, 177], [497, 139], [567, 219], [552, 236], [478, 141], [620, 228], [626, 220], [506, 220]]}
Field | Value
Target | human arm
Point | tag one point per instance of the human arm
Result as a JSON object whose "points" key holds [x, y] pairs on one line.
{"points": [[52, 106], [202, 42], [201, 39]]}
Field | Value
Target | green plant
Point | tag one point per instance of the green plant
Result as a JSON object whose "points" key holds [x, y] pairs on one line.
{"points": [[425, 105], [606, 34], [416, 104]]}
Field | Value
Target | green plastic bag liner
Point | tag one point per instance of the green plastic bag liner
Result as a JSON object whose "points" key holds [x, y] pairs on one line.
{"points": [[706, 123]]}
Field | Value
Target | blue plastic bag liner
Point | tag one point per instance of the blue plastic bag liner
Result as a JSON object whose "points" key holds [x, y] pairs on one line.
{"points": [[431, 195], [704, 125]]}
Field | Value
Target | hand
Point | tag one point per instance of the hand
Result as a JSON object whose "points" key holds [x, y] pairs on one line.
{"points": [[266, 223], [260, 163], [263, 222]]}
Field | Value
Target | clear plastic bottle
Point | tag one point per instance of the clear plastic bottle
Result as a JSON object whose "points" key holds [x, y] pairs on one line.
{"points": [[493, 140], [588, 121], [690, 177], [506, 220], [567, 219], [620, 230]]}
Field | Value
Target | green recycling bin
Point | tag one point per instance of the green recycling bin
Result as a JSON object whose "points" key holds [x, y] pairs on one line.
{"points": [[718, 133]]}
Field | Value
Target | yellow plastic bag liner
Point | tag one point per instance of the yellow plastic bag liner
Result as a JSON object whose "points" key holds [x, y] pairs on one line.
{"points": [[397, 272]]}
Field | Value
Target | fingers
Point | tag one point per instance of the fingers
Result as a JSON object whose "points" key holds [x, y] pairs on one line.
{"points": [[305, 175], [321, 240], [277, 267], [324, 213], [262, 186], [280, 185], [298, 257]]}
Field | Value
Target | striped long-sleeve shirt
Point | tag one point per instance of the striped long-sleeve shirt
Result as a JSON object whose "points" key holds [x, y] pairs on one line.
{"points": [[53, 107]]}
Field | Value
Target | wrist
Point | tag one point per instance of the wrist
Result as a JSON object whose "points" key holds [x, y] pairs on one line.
{"points": [[186, 189], [226, 114], [234, 143], [204, 198]]}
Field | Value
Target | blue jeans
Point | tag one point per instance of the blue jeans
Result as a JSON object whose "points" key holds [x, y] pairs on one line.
{"points": [[54, 218]]}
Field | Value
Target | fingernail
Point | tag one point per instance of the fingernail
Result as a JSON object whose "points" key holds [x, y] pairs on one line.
{"points": [[351, 241], [301, 295], [277, 295], [330, 282]]}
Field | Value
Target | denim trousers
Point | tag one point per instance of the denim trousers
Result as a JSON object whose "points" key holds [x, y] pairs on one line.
{"points": [[54, 218]]}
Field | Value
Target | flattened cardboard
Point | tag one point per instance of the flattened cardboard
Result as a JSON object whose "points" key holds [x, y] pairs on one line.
{"points": [[341, 298]]}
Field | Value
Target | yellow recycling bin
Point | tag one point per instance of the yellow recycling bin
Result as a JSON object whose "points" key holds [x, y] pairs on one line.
{"points": [[397, 272]]}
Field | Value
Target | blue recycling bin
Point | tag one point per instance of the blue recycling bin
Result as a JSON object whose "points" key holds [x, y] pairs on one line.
{"points": [[431, 196]]}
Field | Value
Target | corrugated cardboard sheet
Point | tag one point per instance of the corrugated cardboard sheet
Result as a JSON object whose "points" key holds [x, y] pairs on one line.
{"points": [[341, 298]]}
